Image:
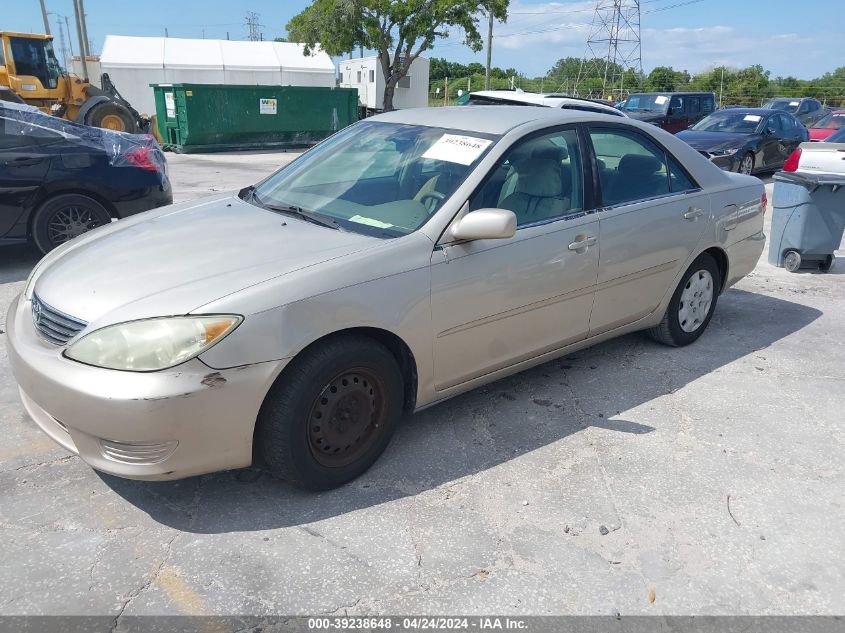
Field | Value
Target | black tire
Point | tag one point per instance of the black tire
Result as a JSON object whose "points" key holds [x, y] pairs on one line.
{"points": [[746, 157], [308, 409], [108, 113], [792, 261], [65, 216], [670, 331], [827, 263]]}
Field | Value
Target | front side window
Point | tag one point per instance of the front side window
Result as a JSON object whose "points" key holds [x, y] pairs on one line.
{"points": [[383, 179], [693, 106], [631, 167], [538, 179]]}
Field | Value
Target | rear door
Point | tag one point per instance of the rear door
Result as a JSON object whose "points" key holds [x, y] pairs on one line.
{"points": [[651, 220], [772, 150], [24, 163]]}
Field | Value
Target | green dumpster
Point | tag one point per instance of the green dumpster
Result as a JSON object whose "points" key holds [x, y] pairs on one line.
{"points": [[212, 117]]}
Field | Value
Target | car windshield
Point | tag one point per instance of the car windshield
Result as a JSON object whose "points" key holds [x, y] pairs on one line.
{"points": [[836, 137], [730, 121], [382, 179], [833, 121], [786, 105], [646, 103]]}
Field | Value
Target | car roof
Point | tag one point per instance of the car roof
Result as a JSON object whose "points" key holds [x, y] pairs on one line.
{"points": [[670, 92], [493, 120], [551, 99]]}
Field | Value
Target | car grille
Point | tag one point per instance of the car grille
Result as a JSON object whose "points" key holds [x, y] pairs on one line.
{"points": [[54, 325]]}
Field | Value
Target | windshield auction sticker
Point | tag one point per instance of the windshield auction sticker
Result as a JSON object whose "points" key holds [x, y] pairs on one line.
{"points": [[456, 148], [752, 117]]}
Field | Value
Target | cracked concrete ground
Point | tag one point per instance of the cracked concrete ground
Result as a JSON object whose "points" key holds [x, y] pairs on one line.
{"points": [[595, 484]]}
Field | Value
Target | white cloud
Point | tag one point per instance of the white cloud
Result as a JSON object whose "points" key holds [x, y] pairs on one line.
{"points": [[537, 35]]}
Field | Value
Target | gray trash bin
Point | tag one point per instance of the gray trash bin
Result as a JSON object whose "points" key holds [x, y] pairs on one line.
{"points": [[808, 220]]}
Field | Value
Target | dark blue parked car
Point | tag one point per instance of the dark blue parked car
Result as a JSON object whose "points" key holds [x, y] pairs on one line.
{"points": [[59, 179]]}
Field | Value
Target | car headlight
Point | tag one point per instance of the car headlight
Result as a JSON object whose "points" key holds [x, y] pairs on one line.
{"points": [[151, 344], [725, 152]]}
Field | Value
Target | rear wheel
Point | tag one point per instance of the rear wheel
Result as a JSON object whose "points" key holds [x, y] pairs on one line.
{"points": [[64, 217], [112, 116], [692, 305], [746, 165], [332, 413]]}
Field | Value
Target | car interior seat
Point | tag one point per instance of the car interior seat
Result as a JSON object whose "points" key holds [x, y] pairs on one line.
{"points": [[538, 193], [636, 177]]}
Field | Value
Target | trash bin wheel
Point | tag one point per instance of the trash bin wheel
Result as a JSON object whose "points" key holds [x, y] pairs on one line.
{"points": [[792, 261], [827, 263]]}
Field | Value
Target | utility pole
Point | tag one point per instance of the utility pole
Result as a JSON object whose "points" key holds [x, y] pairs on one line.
{"points": [[613, 45], [82, 21], [44, 16], [489, 47], [80, 35], [721, 86], [62, 43], [69, 38]]}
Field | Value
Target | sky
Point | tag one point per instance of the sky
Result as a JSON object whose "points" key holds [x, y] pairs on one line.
{"points": [[691, 35]]}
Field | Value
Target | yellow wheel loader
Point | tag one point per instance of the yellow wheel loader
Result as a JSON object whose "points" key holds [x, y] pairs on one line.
{"points": [[30, 72]]}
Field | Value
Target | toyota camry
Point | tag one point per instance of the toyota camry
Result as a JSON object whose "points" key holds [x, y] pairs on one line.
{"points": [[406, 259]]}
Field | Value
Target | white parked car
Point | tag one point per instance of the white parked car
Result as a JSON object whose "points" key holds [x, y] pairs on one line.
{"points": [[546, 100], [822, 158]]}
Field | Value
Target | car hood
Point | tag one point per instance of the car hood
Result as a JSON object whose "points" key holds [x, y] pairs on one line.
{"points": [[173, 260], [712, 141], [646, 116]]}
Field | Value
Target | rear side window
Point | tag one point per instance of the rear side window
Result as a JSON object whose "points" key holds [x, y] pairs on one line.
{"points": [[632, 167], [693, 106], [707, 104]]}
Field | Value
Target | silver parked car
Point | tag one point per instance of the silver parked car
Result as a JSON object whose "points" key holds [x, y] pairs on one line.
{"points": [[408, 258]]}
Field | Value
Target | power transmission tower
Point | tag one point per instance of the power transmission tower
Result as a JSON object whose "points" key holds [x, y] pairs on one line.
{"points": [[253, 23], [613, 46]]}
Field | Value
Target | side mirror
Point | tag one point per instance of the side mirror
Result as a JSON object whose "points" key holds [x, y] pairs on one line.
{"points": [[769, 131], [485, 224], [670, 112]]}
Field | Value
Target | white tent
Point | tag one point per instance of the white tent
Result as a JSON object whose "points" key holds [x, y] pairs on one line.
{"points": [[133, 63]]}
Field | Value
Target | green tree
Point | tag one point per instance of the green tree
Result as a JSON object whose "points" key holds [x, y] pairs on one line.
{"points": [[398, 30]]}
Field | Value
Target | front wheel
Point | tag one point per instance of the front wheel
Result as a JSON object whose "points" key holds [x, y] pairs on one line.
{"points": [[692, 304], [331, 413], [64, 217], [112, 115], [746, 165]]}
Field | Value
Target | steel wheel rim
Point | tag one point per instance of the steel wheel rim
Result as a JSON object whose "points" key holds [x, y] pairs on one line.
{"points": [[696, 299], [70, 222], [346, 418], [746, 165]]}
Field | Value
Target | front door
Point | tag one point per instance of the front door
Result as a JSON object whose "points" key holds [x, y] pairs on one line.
{"points": [[497, 302], [652, 219]]}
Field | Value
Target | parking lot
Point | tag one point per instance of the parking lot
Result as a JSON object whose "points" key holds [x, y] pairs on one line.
{"points": [[629, 478]]}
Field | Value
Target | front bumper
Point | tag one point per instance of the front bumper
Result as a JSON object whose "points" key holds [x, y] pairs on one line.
{"points": [[175, 423]]}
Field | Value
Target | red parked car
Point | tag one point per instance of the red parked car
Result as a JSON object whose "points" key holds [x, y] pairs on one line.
{"points": [[827, 125]]}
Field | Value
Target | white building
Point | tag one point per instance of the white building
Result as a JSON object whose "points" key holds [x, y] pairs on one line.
{"points": [[133, 63], [365, 74]]}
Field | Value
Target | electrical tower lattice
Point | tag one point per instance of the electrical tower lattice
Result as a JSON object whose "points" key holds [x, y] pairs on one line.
{"points": [[613, 52]]}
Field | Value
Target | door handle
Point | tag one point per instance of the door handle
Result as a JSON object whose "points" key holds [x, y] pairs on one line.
{"points": [[583, 244], [729, 227], [693, 214], [23, 162]]}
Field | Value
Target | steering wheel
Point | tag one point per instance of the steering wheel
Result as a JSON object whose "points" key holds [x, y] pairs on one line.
{"points": [[434, 196]]}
